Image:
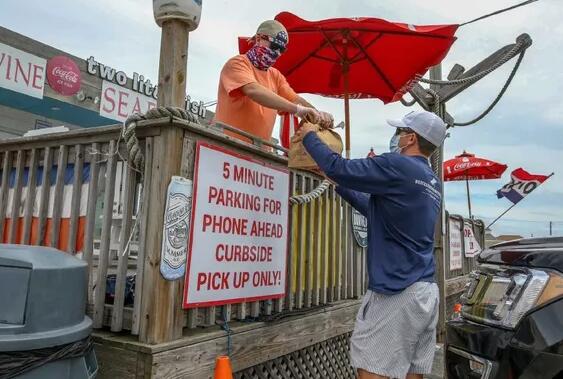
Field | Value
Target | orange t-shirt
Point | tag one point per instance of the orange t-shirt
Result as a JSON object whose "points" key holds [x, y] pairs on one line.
{"points": [[237, 110]]}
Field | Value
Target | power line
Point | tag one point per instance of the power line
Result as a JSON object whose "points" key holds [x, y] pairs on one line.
{"points": [[547, 220], [499, 12]]}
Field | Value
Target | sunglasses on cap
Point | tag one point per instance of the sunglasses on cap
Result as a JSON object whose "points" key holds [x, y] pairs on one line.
{"points": [[404, 130], [275, 43]]}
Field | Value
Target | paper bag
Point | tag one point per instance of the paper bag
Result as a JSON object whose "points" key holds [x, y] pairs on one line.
{"points": [[298, 156]]}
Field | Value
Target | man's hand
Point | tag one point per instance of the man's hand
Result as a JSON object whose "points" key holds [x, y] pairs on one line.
{"points": [[307, 113], [326, 120]]}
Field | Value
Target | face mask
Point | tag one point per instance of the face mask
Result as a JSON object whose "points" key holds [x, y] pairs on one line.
{"points": [[262, 57], [394, 144]]}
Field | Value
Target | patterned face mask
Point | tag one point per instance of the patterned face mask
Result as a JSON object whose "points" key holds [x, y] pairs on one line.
{"points": [[262, 57]]}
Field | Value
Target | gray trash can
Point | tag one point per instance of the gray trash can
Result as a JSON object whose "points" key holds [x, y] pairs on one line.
{"points": [[44, 332]]}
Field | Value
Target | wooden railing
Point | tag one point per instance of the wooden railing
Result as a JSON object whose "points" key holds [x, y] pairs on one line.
{"points": [[76, 192]]}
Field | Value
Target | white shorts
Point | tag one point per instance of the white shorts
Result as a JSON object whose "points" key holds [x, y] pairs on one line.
{"points": [[396, 334]]}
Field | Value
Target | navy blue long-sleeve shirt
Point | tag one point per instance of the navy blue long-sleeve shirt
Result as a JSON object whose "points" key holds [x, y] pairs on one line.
{"points": [[400, 195]]}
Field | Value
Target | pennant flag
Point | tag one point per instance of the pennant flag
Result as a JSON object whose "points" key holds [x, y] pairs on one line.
{"points": [[521, 184]]}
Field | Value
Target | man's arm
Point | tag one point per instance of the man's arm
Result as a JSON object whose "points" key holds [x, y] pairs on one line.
{"points": [[269, 99], [326, 120], [302, 101], [357, 199], [369, 175]]}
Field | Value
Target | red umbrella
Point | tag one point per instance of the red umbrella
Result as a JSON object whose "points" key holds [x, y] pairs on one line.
{"points": [[358, 57], [469, 167]]}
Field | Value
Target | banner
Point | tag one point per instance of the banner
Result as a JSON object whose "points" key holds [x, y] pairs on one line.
{"points": [[44, 235], [455, 245], [118, 102], [521, 184], [22, 72], [238, 240]]}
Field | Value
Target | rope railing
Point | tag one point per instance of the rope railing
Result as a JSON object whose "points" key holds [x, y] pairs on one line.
{"points": [[521, 43]]}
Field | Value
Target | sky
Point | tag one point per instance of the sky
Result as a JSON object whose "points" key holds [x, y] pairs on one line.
{"points": [[524, 130]]}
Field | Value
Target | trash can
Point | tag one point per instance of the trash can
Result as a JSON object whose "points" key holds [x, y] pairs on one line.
{"points": [[44, 331]]}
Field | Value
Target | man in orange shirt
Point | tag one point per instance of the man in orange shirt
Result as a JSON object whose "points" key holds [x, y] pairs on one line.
{"points": [[251, 92]]}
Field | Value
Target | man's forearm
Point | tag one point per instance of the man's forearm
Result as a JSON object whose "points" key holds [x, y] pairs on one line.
{"points": [[267, 98], [301, 101]]}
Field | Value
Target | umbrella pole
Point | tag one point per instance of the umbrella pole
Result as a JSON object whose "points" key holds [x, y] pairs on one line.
{"points": [[347, 111], [468, 196]]}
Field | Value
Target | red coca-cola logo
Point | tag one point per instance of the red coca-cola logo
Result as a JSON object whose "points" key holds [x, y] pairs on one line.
{"points": [[63, 75], [466, 165]]}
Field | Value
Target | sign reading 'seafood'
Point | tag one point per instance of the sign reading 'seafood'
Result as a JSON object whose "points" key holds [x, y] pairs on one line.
{"points": [[238, 240]]}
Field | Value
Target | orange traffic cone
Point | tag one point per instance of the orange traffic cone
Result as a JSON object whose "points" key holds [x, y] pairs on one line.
{"points": [[223, 368]]}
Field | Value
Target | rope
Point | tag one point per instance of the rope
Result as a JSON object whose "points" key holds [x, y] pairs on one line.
{"points": [[408, 103], [16, 363], [225, 326], [520, 42], [499, 96], [308, 197], [135, 155], [499, 12]]}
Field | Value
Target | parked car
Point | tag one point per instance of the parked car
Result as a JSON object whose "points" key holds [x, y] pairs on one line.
{"points": [[511, 323]]}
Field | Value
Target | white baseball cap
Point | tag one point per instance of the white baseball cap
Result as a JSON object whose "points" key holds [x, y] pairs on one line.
{"points": [[426, 124]]}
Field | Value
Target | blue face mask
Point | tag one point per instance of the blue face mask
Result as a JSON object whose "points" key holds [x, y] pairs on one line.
{"points": [[394, 144]]}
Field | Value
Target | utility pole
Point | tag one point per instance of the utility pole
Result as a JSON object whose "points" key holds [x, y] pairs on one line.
{"points": [[550, 228], [440, 91], [437, 160]]}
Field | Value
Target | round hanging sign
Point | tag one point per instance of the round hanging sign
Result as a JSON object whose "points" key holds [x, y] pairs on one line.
{"points": [[360, 228]]}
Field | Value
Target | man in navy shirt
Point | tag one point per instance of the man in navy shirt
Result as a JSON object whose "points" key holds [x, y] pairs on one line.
{"points": [[395, 331]]}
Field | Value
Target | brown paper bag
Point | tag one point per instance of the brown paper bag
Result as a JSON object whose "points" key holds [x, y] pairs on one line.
{"points": [[298, 156]]}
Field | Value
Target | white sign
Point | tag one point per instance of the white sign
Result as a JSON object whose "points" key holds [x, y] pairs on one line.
{"points": [[119, 102], [176, 228], [472, 247], [455, 245], [22, 72], [238, 241]]}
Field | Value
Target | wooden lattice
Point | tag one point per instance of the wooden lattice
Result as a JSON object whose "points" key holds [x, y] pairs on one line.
{"points": [[327, 359]]}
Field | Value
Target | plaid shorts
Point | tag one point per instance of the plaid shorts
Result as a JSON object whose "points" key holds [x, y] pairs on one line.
{"points": [[396, 334]]}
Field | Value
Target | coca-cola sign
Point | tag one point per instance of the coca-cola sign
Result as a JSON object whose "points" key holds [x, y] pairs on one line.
{"points": [[63, 75]]}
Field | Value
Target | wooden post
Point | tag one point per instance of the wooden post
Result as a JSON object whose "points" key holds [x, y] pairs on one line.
{"points": [[162, 313]]}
